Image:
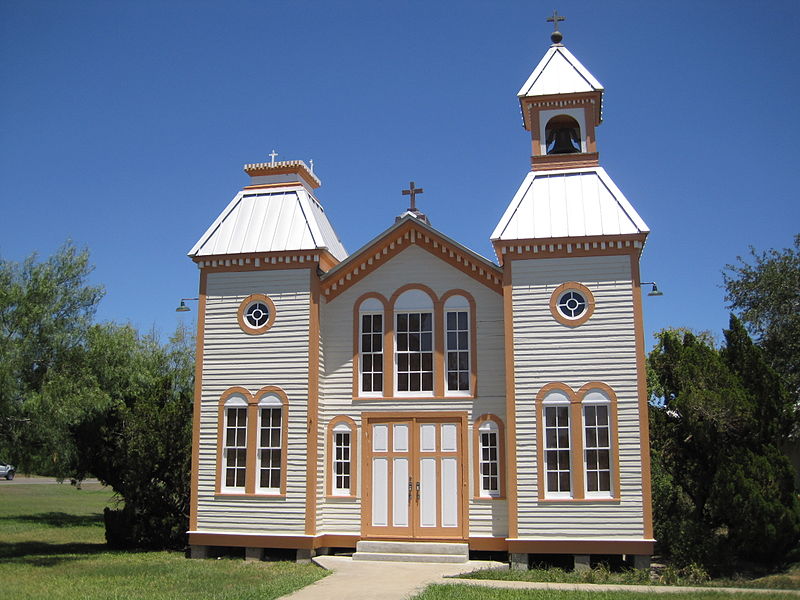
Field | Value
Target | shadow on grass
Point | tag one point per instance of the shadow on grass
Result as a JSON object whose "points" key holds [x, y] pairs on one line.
{"points": [[42, 554], [58, 519]]}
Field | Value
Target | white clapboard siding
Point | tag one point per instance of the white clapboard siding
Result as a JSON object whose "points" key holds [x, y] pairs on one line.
{"points": [[412, 265], [602, 349], [278, 357]]}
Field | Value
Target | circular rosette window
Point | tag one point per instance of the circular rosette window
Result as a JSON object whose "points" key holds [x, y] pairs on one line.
{"points": [[256, 314], [571, 304]]}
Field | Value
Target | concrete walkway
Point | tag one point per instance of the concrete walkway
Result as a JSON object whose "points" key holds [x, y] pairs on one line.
{"points": [[366, 580]]}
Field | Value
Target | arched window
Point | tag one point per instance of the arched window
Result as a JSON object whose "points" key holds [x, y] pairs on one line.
{"points": [[342, 457], [413, 330], [563, 135], [370, 347], [234, 453], [597, 448], [457, 344], [270, 447], [557, 445], [489, 457]]}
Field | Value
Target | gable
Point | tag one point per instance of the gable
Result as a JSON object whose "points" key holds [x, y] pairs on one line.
{"points": [[407, 233]]}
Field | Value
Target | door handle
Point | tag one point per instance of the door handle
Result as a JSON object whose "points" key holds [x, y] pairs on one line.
{"points": [[410, 488], [418, 491]]}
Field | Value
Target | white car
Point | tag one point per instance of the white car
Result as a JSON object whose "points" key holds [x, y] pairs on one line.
{"points": [[7, 471]]}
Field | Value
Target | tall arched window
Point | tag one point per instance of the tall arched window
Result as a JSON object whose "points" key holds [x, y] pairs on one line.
{"points": [[457, 344], [234, 453], [370, 347], [270, 444], [557, 445], [597, 446], [413, 348], [489, 457], [342, 457]]}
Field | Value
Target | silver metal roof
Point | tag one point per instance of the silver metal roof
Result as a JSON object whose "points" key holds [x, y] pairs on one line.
{"points": [[274, 220], [559, 72], [568, 203]]}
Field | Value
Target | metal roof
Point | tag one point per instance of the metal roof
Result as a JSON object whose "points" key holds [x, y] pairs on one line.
{"points": [[559, 72], [568, 203], [280, 219]]}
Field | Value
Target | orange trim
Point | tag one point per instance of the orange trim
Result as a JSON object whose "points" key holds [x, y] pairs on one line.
{"points": [[511, 412], [526, 249], [263, 261], [221, 434], [251, 473], [388, 363], [541, 467], [553, 162], [272, 389], [238, 540], [244, 325], [641, 389], [198, 401], [488, 544], [533, 105], [297, 169], [312, 431], [565, 287], [501, 457], [329, 474], [644, 547], [614, 431], [395, 241], [473, 339]]}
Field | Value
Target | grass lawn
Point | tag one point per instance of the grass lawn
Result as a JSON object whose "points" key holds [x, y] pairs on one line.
{"points": [[468, 592], [790, 580], [52, 546]]}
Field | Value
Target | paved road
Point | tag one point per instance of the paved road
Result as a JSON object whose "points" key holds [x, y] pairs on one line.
{"points": [[35, 479]]}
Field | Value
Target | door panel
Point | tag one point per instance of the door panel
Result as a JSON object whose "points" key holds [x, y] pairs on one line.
{"points": [[416, 484]]}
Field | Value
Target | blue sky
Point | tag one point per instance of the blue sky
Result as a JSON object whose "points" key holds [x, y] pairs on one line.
{"points": [[124, 126]]}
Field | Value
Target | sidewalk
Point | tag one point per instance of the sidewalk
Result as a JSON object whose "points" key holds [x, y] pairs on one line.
{"points": [[366, 580]]}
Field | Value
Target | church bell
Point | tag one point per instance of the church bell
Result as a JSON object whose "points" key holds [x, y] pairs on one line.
{"points": [[565, 140]]}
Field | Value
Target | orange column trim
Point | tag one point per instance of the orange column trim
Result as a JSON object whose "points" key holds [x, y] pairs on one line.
{"points": [[641, 387], [511, 413], [198, 401], [312, 475]]}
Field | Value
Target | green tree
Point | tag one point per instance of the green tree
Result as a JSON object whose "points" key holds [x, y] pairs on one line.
{"points": [[723, 493], [45, 310], [765, 292]]}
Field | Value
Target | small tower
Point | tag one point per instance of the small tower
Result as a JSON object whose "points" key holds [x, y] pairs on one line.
{"points": [[561, 105]]}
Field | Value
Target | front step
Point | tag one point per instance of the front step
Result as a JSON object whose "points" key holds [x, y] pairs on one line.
{"points": [[428, 552]]}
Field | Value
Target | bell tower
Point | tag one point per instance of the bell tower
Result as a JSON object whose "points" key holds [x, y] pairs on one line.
{"points": [[561, 106]]}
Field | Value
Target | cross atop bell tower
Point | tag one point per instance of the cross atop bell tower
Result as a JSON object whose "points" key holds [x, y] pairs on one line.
{"points": [[556, 35]]}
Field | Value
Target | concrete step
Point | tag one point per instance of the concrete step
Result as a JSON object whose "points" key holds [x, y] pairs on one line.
{"points": [[421, 558], [412, 551]]}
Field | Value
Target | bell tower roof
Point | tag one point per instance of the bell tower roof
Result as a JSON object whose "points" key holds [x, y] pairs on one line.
{"points": [[559, 72]]}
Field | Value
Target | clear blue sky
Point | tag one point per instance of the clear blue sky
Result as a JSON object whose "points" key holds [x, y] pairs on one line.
{"points": [[124, 126]]}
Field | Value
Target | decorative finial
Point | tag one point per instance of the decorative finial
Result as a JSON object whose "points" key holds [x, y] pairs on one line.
{"points": [[272, 155], [556, 35]]}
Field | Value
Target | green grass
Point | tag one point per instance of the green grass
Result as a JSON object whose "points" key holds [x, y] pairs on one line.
{"points": [[469, 592], [790, 580], [52, 546]]}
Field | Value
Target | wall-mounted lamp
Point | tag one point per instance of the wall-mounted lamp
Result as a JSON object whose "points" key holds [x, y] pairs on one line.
{"points": [[183, 307], [655, 291]]}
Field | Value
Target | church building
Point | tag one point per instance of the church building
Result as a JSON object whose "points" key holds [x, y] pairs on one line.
{"points": [[413, 399]]}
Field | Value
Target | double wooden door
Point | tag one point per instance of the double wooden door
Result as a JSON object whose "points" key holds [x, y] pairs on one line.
{"points": [[415, 485]]}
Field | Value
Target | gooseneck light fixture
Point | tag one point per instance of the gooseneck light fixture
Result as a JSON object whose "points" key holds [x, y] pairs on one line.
{"points": [[183, 307], [655, 291]]}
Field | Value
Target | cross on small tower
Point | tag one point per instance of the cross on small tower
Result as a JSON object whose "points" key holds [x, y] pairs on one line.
{"points": [[413, 191], [272, 154], [555, 19]]}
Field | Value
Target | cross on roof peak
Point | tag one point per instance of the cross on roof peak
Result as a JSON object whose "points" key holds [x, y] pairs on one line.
{"points": [[272, 155], [413, 191], [555, 19]]}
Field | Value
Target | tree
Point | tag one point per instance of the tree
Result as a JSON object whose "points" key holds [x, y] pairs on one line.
{"points": [[45, 310], [723, 493], [766, 295], [139, 442]]}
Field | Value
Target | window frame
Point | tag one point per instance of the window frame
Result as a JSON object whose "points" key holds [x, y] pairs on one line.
{"points": [[273, 397], [560, 291], [495, 425], [555, 400], [234, 402], [416, 300], [242, 310], [457, 303], [366, 308], [342, 424], [600, 394], [271, 402]]}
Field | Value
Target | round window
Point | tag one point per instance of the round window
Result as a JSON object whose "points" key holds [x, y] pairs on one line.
{"points": [[571, 304], [256, 314]]}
